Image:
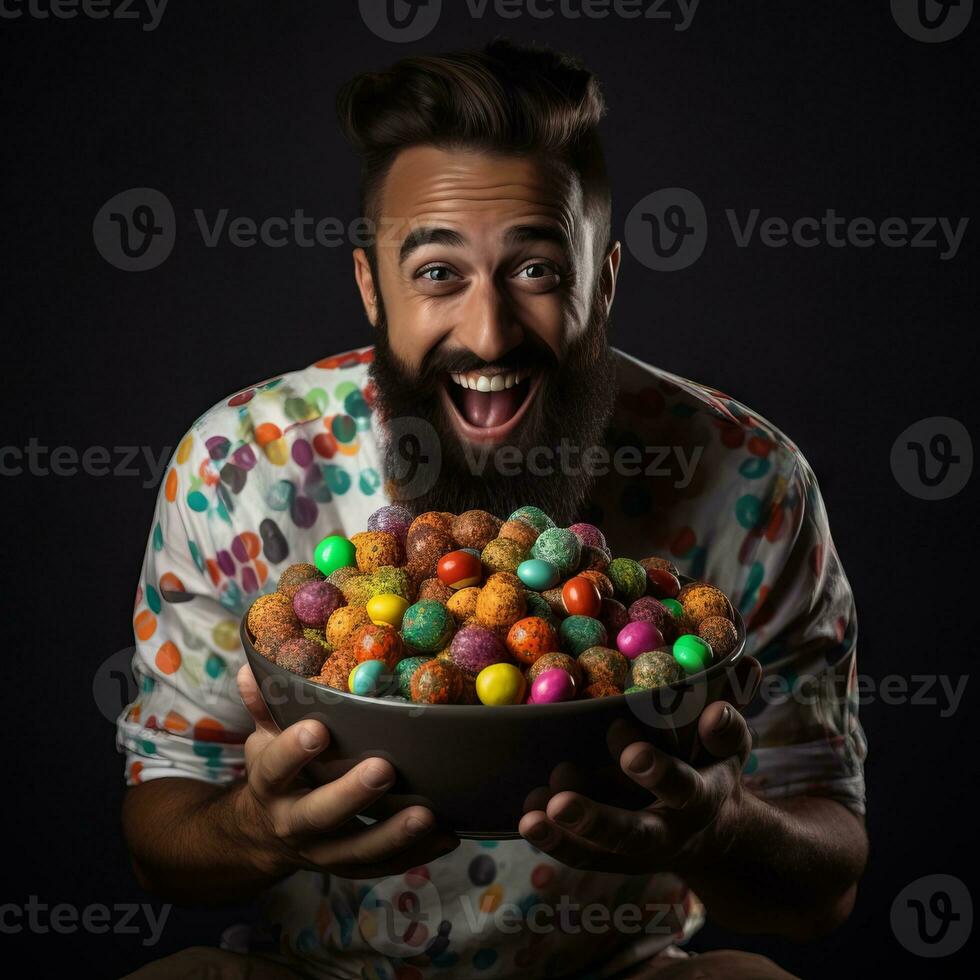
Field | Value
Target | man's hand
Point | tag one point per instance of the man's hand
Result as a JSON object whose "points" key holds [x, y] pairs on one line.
{"points": [[292, 826], [691, 823]]}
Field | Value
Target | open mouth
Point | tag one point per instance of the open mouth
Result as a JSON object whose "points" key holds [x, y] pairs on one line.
{"points": [[486, 406]]}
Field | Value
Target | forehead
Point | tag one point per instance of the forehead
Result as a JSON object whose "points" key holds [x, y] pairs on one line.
{"points": [[479, 190]]}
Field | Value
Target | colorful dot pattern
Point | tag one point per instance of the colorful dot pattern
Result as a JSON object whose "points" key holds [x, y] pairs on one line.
{"points": [[276, 466]]}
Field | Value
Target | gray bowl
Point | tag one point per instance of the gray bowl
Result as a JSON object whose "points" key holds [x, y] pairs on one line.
{"points": [[480, 768]]}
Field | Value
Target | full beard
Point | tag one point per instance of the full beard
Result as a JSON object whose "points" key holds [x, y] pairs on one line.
{"points": [[429, 467]]}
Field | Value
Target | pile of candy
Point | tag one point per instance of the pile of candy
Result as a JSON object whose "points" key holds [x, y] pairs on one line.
{"points": [[468, 609]]}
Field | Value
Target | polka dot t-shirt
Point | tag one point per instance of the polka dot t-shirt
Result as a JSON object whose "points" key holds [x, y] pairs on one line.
{"points": [[689, 473]]}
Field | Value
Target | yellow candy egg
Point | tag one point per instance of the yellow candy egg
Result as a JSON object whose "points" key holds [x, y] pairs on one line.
{"points": [[500, 684], [387, 609]]}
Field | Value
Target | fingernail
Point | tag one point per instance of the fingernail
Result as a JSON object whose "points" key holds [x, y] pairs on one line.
{"points": [[642, 761], [416, 826], [309, 738], [538, 833], [725, 720], [570, 814], [376, 777]]}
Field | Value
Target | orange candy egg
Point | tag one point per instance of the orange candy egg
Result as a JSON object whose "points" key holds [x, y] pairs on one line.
{"points": [[531, 638], [580, 597], [378, 642]]}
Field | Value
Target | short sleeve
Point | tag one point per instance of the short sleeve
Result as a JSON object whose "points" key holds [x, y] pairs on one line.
{"points": [[187, 719], [802, 627]]}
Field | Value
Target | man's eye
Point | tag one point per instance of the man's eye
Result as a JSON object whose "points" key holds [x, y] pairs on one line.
{"points": [[437, 273], [537, 270]]}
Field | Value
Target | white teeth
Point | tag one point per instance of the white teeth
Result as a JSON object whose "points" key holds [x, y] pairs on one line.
{"points": [[483, 383], [497, 382], [510, 380]]}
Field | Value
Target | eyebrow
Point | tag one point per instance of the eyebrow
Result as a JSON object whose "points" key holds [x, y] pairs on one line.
{"points": [[419, 237]]}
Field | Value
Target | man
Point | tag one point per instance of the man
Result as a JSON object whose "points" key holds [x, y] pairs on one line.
{"points": [[489, 285]]}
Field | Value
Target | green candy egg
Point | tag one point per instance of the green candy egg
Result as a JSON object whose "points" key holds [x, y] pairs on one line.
{"points": [[427, 626], [577, 633], [629, 579], [334, 552], [538, 574], [673, 607], [692, 653], [534, 516], [563, 549], [405, 671]]}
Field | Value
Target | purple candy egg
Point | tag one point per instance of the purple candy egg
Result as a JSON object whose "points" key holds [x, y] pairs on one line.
{"points": [[649, 610], [589, 534], [392, 518], [551, 686], [474, 648], [639, 637], [315, 601], [613, 616]]}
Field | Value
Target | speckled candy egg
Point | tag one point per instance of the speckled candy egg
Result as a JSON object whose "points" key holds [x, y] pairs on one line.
{"points": [[424, 547], [272, 613], [534, 516], [315, 601], [594, 559], [434, 588], [475, 647], [475, 529], [375, 549], [344, 623], [342, 575], [555, 602], [601, 663], [500, 603], [559, 546], [600, 689], [427, 626], [405, 671], [392, 518], [639, 637], [646, 609], [501, 684], [336, 669], [296, 575], [613, 616], [578, 633], [562, 661], [701, 600], [655, 668], [552, 686], [538, 606], [601, 581], [519, 531], [503, 555], [373, 642], [530, 638], [301, 656], [589, 534], [437, 682], [657, 562], [391, 581], [720, 634], [460, 569], [629, 579], [462, 604], [538, 574], [442, 520]]}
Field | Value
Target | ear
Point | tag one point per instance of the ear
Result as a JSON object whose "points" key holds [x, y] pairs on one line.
{"points": [[608, 275], [366, 285]]}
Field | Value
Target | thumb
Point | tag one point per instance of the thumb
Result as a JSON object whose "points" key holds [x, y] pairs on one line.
{"points": [[251, 696]]}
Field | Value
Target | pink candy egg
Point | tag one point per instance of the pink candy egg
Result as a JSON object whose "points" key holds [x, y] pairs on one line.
{"points": [[551, 686], [639, 637]]}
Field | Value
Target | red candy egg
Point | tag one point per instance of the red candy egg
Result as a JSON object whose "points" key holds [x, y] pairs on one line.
{"points": [[662, 584], [459, 569], [580, 597]]}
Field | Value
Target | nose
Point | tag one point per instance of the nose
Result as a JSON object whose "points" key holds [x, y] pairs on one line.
{"points": [[488, 326]]}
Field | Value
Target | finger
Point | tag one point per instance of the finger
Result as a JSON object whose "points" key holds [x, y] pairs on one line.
{"points": [[430, 848], [606, 827], [280, 761], [377, 843], [537, 829], [674, 782], [743, 682], [251, 697], [325, 808], [724, 733]]}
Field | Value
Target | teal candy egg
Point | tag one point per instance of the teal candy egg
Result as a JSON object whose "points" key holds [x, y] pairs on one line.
{"points": [[538, 574], [370, 678], [334, 552], [534, 516], [629, 579], [563, 549], [692, 653], [428, 626], [577, 633], [405, 670]]}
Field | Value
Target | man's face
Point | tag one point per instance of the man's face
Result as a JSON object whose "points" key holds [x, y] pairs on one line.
{"points": [[489, 304]]}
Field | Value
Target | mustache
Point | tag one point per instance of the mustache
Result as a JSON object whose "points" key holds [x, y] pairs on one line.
{"points": [[527, 356]]}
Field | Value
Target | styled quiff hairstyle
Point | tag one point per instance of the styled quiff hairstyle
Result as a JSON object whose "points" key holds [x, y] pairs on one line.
{"points": [[505, 99]]}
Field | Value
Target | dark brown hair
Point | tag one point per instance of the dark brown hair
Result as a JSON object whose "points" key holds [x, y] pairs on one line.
{"points": [[505, 98]]}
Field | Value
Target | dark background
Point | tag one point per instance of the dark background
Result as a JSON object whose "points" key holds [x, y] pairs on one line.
{"points": [[791, 108]]}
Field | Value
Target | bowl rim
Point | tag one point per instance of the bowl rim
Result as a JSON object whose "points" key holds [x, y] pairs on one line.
{"points": [[529, 711]]}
